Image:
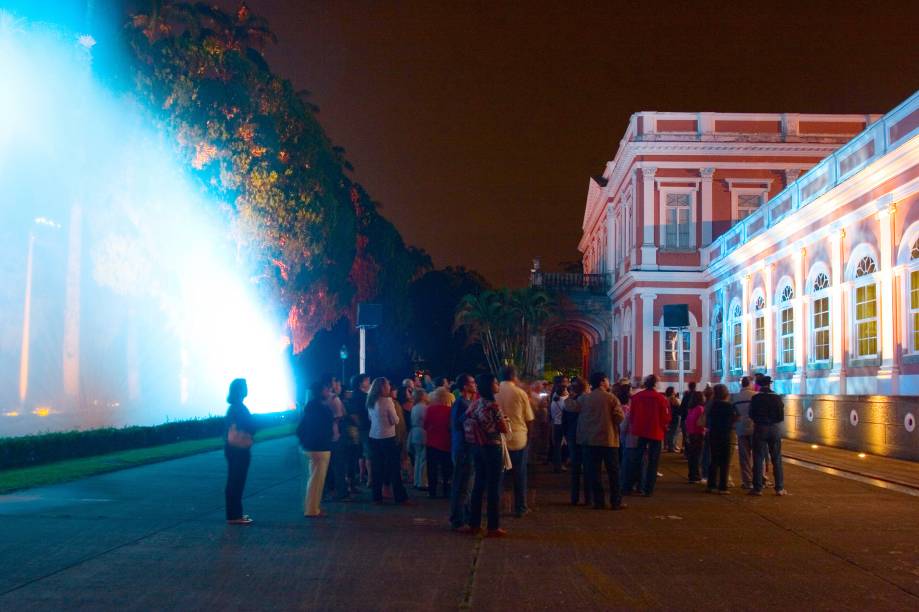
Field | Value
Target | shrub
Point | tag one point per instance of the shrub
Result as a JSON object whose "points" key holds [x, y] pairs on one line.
{"points": [[25, 451]]}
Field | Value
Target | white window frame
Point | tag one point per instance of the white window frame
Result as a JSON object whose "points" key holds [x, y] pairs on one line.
{"points": [[718, 339], [815, 296], [691, 331], [785, 305], [911, 311], [755, 316], [740, 187], [662, 238], [858, 254], [735, 321]]}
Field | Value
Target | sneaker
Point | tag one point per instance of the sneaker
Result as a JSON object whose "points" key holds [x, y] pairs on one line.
{"points": [[522, 513], [756, 492], [781, 492], [464, 529], [243, 520], [710, 490], [695, 481], [746, 485], [724, 492], [660, 475], [496, 533], [704, 480]]}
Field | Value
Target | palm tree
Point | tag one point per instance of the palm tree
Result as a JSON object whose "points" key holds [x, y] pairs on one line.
{"points": [[481, 317], [504, 322], [529, 308]]}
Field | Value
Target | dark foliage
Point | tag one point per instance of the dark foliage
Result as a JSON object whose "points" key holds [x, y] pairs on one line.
{"points": [[27, 451]]}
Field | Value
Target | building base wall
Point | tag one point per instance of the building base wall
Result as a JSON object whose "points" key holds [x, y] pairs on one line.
{"points": [[881, 425]]}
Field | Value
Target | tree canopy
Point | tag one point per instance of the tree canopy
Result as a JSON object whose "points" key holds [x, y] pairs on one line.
{"points": [[316, 238]]}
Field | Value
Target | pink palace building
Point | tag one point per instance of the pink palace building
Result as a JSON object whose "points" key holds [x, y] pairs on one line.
{"points": [[792, 238]]}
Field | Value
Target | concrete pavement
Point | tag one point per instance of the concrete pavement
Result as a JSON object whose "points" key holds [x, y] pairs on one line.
{"points": [[154, 538]]}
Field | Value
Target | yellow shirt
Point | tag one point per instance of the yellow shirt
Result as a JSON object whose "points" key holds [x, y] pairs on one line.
{"points": [[515, 404]]}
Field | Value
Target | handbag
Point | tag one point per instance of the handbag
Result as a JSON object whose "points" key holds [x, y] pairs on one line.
{"points": [[700, 420], [237, 438], [508, 464]]}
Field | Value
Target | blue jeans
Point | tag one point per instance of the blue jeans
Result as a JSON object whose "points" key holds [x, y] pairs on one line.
{"points": [[706, 455], [463, 470], [519, 478], [649, 475], [489, 472], [767, 439], [631, 467]]}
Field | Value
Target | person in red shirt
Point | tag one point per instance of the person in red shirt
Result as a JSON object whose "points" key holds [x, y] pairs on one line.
{"points": [[648, 420], [437, 440]]}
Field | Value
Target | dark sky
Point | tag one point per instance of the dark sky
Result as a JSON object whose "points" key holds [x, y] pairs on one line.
{"points": [[477, 124]]}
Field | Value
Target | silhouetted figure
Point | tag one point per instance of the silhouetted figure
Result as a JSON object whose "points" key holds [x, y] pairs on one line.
{"points": [[240, 429]]}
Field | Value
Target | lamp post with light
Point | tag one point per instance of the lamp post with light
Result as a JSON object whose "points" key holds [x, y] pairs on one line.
{"points": [[343, 353]]}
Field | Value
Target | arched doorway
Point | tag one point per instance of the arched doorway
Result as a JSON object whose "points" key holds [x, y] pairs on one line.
{"points": [[575, 346]]}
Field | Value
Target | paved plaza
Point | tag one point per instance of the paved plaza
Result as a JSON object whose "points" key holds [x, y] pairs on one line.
{"points": [[153, 538]]}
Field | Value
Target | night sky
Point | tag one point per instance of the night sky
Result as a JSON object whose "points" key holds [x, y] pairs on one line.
{"points": [[477, 124]]}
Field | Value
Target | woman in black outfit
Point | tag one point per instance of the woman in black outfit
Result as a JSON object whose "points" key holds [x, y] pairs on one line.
{"points": [[237, 451], [721, 419]]}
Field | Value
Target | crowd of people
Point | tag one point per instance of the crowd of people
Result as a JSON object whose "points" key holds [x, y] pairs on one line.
{"points": [[457, 439]]}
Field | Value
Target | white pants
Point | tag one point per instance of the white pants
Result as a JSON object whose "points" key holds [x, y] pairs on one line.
{"points": [[317, 467], [421, 473]]}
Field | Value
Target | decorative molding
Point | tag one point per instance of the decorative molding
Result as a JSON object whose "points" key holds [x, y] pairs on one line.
{"points": [[706, 173]]}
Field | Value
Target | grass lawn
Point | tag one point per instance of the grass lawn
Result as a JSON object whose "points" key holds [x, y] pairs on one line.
{"points": [[73, 469]]}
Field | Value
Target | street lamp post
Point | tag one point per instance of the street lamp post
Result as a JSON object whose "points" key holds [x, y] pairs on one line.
{"points": [[343, 353]]}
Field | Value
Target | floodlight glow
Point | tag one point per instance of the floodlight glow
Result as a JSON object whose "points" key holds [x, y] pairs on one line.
{"points": [[162, 313]]}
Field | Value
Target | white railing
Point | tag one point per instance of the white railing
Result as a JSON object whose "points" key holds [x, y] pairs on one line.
{"points": [[882, 136]]}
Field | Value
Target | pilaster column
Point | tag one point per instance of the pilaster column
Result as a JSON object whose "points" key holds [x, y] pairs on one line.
{"points": [[888, 307], [801, 312], [747, 331], [611, 238], [647, 333], [706, 338], [770, 322], [838, 323], [706, 174], [648, 249], [633, 327]]}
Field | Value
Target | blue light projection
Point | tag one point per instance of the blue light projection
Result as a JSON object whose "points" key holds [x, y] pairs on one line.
{"points": [[124, 297]]}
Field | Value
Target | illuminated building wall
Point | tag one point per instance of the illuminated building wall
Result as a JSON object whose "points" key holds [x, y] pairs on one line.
{"points": [[793, 239]]}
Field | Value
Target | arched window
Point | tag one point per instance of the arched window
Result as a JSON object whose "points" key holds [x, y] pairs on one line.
{"points": [[820, 318], [865, 301], [717, 340], [914, 296], [737, 338], [786, 326], [759, 332]]}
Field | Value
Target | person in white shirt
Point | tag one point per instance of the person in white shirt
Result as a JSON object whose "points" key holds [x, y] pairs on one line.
{"points": [[384, 447], [416, 438], [556, 410], [514, 403]]}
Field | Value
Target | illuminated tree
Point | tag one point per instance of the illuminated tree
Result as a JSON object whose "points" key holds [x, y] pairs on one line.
{"points": [[316, 239]]}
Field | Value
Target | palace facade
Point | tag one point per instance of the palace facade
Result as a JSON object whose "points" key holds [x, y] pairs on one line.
{"points": [[792, 238]]}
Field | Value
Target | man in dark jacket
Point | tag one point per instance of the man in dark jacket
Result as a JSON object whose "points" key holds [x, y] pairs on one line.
{"points": [[463, 467], [767, 412]]}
